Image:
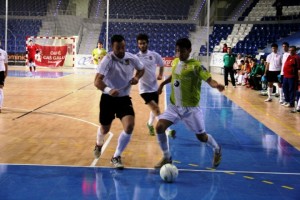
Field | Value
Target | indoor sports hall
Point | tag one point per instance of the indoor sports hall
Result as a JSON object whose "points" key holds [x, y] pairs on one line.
{"points": [[50, 115]]}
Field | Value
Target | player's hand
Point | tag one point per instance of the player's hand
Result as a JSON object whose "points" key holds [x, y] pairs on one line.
{"points": [[159, 77], [114, 92], [220, 87], [134, 81]]}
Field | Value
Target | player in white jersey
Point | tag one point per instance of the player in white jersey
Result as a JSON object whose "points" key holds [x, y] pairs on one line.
{"points": [[285, 55], [186, 78], [148, 83], [272, 72], [3, 74], [115, 75]]}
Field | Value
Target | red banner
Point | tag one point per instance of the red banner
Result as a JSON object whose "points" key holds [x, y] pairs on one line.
{"points": [[51, 56], [168, 61]]}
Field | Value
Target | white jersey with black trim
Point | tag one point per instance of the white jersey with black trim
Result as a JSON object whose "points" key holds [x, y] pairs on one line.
{"points": [[151, 60], [118, 72], [3, 59]]}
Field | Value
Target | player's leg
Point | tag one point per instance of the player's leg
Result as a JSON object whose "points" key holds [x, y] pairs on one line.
{"points": [[1, 89], [166, 119], [126, 114], [106, 116], [151, 100], [194, 122]]}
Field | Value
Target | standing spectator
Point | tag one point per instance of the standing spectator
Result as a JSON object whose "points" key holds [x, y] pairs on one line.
{"points": [[31, 50], [224, 50], [285, 48], [272, 71], [290, 77], [186, 79], [98, 53], [278, 6], [3, 74], [114, 78], [229, 60], [148, 83]]}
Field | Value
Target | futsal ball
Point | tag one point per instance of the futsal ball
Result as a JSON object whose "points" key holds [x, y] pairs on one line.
{"points": [[168, 173]]}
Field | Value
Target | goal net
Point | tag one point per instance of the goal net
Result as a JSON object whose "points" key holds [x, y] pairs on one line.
{"points": [[54, 51]]}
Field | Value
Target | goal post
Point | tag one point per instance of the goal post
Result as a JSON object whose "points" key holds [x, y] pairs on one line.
{"points": [[56, 51]]}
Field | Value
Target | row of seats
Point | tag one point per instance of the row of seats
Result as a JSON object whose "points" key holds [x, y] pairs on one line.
{"points": [[162, 36], [24, 7], [150, 9]]}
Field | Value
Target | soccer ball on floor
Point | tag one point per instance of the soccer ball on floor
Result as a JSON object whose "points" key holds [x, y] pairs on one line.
{"points": [[168, 173]]}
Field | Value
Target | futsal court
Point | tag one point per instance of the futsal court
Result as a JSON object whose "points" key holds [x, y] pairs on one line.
{"points": [[48, 131]]}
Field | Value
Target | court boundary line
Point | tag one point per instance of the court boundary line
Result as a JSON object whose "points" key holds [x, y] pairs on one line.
{"points": [[141, 168]]}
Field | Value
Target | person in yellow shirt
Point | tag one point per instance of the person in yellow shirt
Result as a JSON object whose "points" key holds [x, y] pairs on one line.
{"points": [[98, 53]]}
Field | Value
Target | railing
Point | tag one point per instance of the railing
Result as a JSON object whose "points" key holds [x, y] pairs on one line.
{"points": [[159, 17]]}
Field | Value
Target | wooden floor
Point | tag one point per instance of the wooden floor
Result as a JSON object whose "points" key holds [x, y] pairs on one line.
{"points": [[53, 121]]}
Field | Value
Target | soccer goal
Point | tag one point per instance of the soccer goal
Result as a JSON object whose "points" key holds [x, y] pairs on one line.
{"points": [[54, 51]]}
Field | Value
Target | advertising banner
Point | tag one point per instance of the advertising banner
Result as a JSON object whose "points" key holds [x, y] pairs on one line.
{"points": [[51, 56]]}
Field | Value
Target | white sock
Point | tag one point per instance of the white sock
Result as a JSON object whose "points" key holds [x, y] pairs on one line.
{"points": [[123, 140], [298, 106], [151, 119], [280, 94], [270, 90], [212, 142], [100, 137], [1, 97], [163, 143]]}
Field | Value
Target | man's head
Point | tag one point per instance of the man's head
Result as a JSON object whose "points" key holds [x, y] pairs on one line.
{"points": [[229, 50], [292, 50], [274, 47], [183, 48], [100, 45], [30, 42], [253, 61], [118, 45], [285, 46], [142, 41]]}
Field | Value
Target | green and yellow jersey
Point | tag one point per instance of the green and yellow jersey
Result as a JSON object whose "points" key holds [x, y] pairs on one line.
{"points": [[186, 82], [98, 54]]}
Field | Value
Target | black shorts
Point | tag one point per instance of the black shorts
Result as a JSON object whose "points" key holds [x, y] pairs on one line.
{"points": [[2, 78], [112, 107], [149, 97], [272, 76]]}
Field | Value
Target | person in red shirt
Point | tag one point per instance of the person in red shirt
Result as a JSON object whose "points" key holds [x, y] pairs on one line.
{"points": [[290, 77], [31, 50], [225, 48]]}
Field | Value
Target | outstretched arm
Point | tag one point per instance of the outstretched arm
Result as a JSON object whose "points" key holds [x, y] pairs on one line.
{"points": [[215, 84]]}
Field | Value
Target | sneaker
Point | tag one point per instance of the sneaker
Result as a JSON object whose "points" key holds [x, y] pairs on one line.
{"points": [[295, 110], [171, 134], [97, 151], [226, 86], [283, 103], [287, 105], [268, 99], [117, 162], [217, 158], [234, 86], [151, 130], [162, 162]]}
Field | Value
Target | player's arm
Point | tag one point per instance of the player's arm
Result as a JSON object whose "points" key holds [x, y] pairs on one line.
{"points": [[161, 86], [139, 73], [161, 73], [100, 85], [6, 70], [215, 84]]}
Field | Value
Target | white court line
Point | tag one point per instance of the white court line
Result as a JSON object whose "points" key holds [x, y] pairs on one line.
{"points": [[74, 118], [103, 149]]}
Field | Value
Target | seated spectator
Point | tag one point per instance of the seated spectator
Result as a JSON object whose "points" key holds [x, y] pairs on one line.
{"points": [[224, 50], [256, 74]]}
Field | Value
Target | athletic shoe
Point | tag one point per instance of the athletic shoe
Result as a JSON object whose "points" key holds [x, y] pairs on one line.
{"points": [[151, 130], [217, 158], [226, 86], [162, 162], [287, 105], [97, 151], [295, 110], [117, 162], [268, 100], [171, 134], [283, 103]]}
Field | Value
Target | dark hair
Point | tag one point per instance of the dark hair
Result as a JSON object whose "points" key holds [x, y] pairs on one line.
{"points": [[286, 43], [242, 61], [142, 36], [254, 59], [184, 43], [274, 45], [294, 47], [116, 38], [99, 42]]}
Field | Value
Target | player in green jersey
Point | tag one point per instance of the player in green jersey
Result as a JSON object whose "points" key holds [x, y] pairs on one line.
{"points": [[186, 78]]}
